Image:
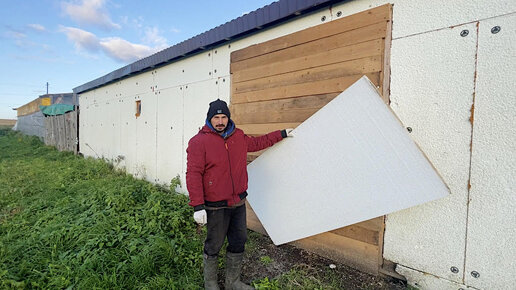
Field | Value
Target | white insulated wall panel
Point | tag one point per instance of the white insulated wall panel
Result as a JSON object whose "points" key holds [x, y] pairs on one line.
{"points": [[197, 97], [491, 239], [146, 138], [417, 16], [112, 127], [432, 83], [86, 122], [193, 69], [127, 153], [137, 85], [349, 162], [220, 57], [169, 161], [84, 103]]}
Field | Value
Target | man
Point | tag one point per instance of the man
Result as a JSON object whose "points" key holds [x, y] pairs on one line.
{"points": [[216, 179]]}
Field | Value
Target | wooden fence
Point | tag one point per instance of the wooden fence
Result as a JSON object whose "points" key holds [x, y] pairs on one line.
{"points": [[61, 131]]}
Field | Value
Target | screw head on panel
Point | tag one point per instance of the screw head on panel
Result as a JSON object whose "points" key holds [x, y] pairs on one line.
{"points": [[496, 29], [323, 18], [454, 270], [475, 274], [409, 129], [339, 13], [464, 33]]}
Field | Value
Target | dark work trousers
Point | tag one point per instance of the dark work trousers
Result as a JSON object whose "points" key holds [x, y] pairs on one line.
{"points": [[230, 222]]}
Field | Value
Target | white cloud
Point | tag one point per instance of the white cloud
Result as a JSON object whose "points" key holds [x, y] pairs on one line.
{"points": [[37, 27], [15, 34], [175, 30], [90, 12], [123, 50], [153, 38], [82, 39], [114, 47]]}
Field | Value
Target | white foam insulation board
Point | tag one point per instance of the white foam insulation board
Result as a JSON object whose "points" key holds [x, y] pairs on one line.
{"points": [[349, 162]]}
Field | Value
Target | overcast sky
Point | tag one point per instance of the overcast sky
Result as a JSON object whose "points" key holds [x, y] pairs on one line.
{"points": [[71, 42]]}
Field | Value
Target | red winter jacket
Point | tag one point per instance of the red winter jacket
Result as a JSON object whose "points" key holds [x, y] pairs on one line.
{"points": [[216, 171]]}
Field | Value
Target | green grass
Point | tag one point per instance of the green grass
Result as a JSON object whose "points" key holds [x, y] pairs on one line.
{"points": [[68, 222]]}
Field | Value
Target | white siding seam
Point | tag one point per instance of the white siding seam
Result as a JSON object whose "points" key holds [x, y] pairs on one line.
{"points": [[157, 136], [452, 26], [472, 121]]}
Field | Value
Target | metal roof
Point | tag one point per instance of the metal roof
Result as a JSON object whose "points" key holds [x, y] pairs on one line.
{"points": [[267, 16]]}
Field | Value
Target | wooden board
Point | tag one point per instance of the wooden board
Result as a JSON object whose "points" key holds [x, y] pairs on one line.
{"points": [[360, 255], [335, 86], [380, 14], [346, 53], [364, 34], [280, 83], [292, 110], [359, 66]]}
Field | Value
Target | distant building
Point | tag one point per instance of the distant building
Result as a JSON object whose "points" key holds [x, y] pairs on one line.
{"points": [[31, 119]]}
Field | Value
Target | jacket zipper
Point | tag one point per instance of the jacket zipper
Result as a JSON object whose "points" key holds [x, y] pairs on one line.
{"points": [[230, 172]]}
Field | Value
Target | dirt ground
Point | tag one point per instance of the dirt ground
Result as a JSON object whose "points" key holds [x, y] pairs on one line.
{"points": [[264, 259]]}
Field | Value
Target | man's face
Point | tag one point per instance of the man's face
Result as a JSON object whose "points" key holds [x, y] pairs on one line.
{"points": [[219, 122]]}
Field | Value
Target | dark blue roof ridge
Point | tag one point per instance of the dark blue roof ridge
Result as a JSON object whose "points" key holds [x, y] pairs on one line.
{"points": [[267, 16]]}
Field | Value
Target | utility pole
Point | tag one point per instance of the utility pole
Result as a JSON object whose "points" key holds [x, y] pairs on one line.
{"points": [[47, 88]]}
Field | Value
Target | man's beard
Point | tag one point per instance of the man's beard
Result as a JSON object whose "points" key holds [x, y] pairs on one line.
{"points": [[220, 129]]}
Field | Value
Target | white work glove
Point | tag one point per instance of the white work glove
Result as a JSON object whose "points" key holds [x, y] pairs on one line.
{"points": [[200, 217], [289, 132]]}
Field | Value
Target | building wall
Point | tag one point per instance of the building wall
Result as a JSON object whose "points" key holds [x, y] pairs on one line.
{"points": [[31, 124], [174, 102], [454, 91]]}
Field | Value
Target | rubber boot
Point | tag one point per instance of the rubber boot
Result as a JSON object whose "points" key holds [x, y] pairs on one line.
{"points": [[233, 269], [211, 265]]}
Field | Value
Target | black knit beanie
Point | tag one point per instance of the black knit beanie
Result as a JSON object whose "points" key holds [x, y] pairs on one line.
{"points": [[218, 107]]}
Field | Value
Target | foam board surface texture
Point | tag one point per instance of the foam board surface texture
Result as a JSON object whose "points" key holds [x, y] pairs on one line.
{"points": [[349, 162]]}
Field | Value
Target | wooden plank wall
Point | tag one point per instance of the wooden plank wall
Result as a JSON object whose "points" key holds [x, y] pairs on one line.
{"points": [[61, 131], [280, 83]]}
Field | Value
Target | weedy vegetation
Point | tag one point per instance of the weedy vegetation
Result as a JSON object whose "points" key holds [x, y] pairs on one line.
{"points": [[68, 222]]}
